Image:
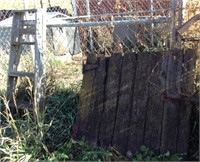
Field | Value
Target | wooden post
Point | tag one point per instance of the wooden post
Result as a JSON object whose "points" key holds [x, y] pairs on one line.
{"points": [[171, 107], [39, 92]]}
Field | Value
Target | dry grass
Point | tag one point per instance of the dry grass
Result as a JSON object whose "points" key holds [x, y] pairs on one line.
{"points": [[62, 73], [3, 71], [192, 8], [66, 72]]}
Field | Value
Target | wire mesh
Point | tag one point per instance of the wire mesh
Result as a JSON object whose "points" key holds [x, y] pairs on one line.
{"points": [[98, 39], [102, 39], [117, 7]]}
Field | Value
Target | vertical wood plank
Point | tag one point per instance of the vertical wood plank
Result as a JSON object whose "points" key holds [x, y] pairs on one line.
{"points": [[86, 96], [137, 122], [157, 83], [40, 47], [111, 99], [185, 106], [19, 38], [97, 102], [125, 101], [171, 107]]}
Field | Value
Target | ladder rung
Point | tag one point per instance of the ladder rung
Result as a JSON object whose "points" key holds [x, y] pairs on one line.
{"points": [[28, 10], [27, 31], [26, 43], [21, 74], [22, 105]]}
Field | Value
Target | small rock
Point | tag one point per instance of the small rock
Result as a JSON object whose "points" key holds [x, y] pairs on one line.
{"points": [[129, 154]]}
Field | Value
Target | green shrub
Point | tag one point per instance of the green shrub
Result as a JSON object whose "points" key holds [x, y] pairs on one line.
{"points": [[60, 113], [80, 151], [22, 139], [146, 154]]}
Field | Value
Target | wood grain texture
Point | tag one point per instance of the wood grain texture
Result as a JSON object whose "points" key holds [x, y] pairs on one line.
{"points": [[185, 106], [111, 99], [97, 102], [86, 96], [121, 104], [157, 83], [139, 105], [15, 53], [171, 107], [39, 68], [125, 101]]}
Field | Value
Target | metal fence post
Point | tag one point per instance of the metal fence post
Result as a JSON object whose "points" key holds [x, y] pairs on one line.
{"points": [[74, 5], [89, 28], [26, 4], [152, 24], [180, 20], [173, 23]]}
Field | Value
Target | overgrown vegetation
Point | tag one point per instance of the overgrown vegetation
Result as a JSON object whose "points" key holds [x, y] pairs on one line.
{"points": [[194, 134], [22, 139], [50, 139], [145, 154]]}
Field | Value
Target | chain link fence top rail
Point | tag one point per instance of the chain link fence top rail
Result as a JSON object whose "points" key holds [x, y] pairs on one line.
{"points": [[140, 25]]}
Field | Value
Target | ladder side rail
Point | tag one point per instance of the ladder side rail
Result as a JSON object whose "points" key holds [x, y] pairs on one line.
{"points": [[14, 54], [40, 47], [20, 39]]}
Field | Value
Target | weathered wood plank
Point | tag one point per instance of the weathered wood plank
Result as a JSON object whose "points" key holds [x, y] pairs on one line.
{"points": [[86, 96], [97, 102], [116, 111], [15, 53], [171, 107], [21, 74], [185, 106], [111, 99], [125, 101], [137, 123], [187, 24], [157, 83], [40, 47]]}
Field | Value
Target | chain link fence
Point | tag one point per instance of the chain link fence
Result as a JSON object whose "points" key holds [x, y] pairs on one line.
{"points": [[54, 9], [104, 27], [132, 27], [97, 26]]}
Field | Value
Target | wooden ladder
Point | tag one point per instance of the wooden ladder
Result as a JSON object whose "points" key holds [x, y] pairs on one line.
{"points": [[37, 28]]}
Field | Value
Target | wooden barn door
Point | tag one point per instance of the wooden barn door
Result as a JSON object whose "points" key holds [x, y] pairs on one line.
{"points": [[129, 100]]}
